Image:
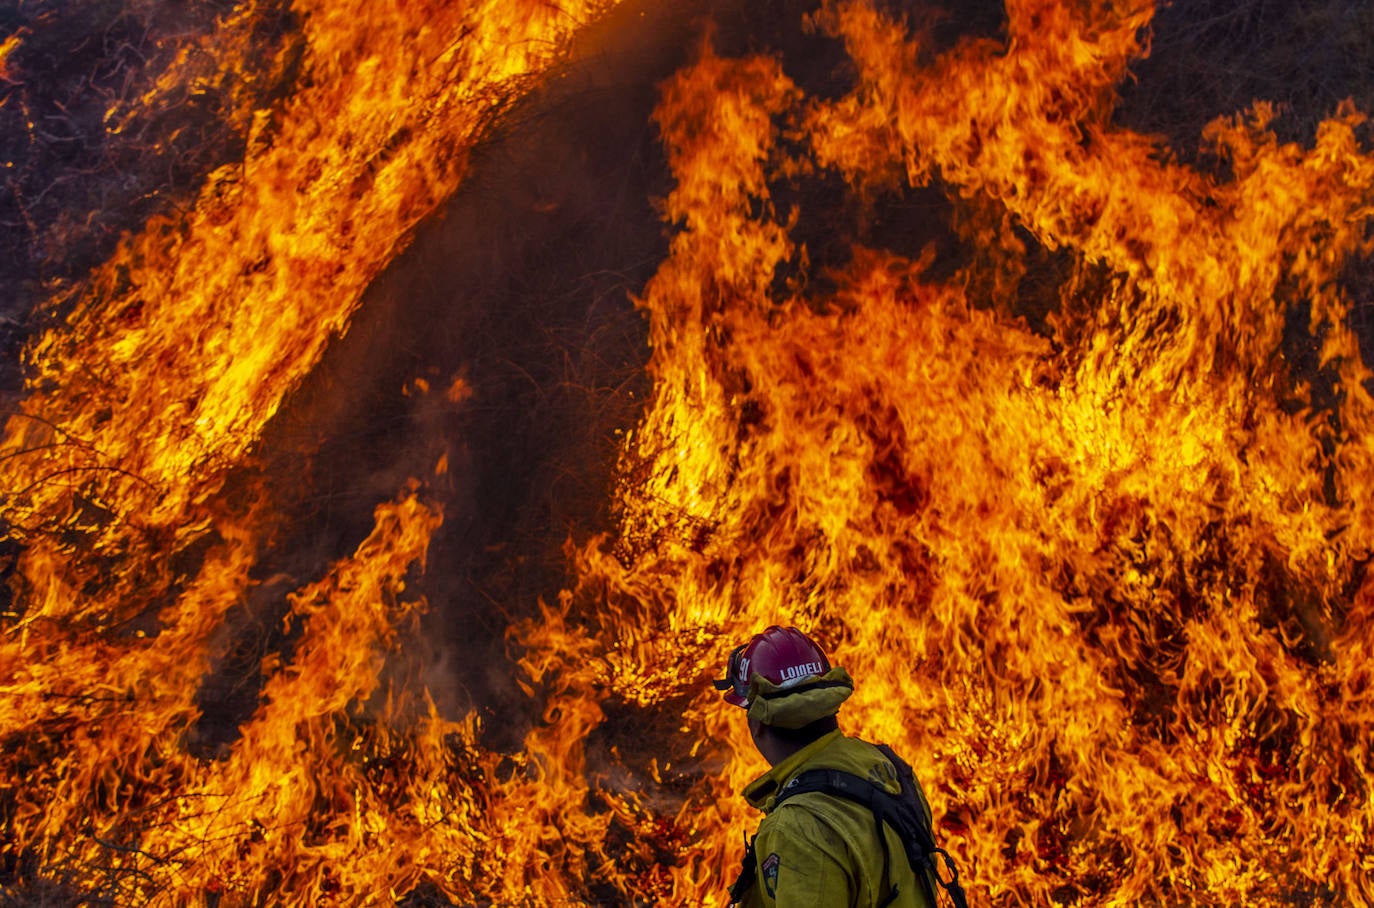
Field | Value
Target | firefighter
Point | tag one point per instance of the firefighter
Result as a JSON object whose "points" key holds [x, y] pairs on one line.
{"points": [[815, 848]]}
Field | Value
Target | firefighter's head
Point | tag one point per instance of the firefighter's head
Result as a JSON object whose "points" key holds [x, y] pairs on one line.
{"points": [[787, 686]]}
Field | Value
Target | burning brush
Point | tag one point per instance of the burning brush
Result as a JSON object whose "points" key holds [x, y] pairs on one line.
{"points": [[1062, 438]]}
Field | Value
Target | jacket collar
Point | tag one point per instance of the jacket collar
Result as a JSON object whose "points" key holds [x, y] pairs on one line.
{"points": [[762, 792]]}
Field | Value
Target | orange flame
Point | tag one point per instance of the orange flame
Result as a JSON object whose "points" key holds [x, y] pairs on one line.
{"points": [[1103, 582], [1099, 574]]}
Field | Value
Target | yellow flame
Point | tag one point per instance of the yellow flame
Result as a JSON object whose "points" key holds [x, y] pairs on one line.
{"points": [[1101, 579], [1093, 581]]}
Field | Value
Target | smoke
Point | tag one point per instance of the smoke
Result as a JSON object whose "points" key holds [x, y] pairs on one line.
{"points": [[498, 360]]}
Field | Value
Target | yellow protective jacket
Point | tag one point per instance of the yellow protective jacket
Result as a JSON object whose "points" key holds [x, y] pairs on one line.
{"points": [[823, 850]]}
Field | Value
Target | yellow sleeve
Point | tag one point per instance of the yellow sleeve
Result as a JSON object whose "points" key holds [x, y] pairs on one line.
{"points": [[803, 862]]}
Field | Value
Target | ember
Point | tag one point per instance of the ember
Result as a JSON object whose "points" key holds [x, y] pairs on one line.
{"points": [[1060, 442]]}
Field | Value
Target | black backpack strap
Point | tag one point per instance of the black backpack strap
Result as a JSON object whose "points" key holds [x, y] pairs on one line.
{"points": [[901, 813], [925, 836], [846, 785], [748, 872], [879, 801]]}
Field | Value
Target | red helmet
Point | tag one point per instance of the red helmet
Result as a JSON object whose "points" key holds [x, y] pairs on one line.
{"points": [[779, 655]]}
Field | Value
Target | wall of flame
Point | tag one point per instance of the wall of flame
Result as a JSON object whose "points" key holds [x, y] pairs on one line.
{"points": [[1099, 574]]}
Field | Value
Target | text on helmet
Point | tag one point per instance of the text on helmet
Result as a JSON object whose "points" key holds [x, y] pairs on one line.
{"points": [[793, 672]]}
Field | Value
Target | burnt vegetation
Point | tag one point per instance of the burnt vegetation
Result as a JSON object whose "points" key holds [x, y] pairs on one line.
{"points": [[111, 113]]}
